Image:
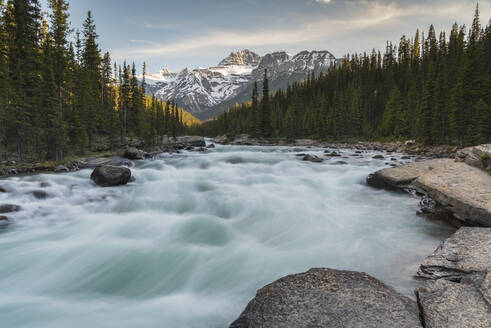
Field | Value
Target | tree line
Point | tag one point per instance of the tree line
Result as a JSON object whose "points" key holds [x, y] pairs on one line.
{"points": [[432, 88], [59, 95]]}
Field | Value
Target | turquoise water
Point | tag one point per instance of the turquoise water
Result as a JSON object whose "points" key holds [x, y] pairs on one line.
{"points": [[192, 239]]}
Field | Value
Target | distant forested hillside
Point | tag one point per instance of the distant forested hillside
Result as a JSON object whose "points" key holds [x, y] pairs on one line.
{"points": [[57, 97], [433, 88]]}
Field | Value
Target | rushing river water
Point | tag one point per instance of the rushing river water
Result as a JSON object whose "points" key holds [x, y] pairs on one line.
{"points": [[190, 242]]}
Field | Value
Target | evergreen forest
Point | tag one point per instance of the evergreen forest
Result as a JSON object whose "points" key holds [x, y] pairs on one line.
{"points": [[60, 96], [434, 88]]}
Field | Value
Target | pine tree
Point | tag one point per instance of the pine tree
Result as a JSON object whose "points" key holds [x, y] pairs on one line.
{"points": [[265, 116], [91, 79], [255, 111], [22, 30]]}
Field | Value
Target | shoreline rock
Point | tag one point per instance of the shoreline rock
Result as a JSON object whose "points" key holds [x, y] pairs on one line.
{"points": [[409, 147], [462, 190], [457, 291], [330, 299], [466, 252], [478, 156]]}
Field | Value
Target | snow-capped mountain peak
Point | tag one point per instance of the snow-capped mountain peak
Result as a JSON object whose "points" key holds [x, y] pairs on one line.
{"points": [[241, 58], [205, 92]]}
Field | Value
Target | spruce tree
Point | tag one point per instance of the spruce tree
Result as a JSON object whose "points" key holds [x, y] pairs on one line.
{"points": [[265, 108]]}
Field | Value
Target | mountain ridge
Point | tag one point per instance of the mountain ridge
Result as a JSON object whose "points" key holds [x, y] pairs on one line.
{"points": [[206, 92]]}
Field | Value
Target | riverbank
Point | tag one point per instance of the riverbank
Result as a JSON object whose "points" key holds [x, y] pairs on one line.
{"points": [[456, 292], [170, 145], [106, 157], [409, 147]]}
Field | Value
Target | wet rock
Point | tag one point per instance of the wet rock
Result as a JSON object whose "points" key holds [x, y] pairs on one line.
{"points": [[465, 252], [435, 211], [330, 299], [133, 153], [9, 208], [2, 189], [447, 304], [312, 158], [211, 146], [44, 184], [189, 148], [62, 168], [332, 153], [300, 155], [406, 157], [107, 175], [3, 218], [40, 194], [378, 157], [341, 163]]}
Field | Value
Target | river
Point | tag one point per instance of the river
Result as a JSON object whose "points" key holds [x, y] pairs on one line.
{"points": [[192, 239]]}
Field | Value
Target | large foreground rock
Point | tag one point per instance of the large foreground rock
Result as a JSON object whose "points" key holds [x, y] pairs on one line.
{"points": [[329, 299], [458, 291], [478, 156], [463, 190], [447, 304], [466, 252], [108, 176]]}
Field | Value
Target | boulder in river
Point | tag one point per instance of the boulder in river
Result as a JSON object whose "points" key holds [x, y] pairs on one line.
{"points": [[378, 157], [330, 299], [3, 218], [133, 153], [332, 153], [2, 189], [9, 208], [312, 158], [108, 176], [40, 194]]}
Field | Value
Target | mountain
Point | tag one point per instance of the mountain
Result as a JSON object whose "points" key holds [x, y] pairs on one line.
{"points": [[206, 92]]}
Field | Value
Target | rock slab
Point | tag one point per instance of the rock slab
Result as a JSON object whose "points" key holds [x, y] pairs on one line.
{"points": [[330, 299], [463, 190], [457, 293], [478, 156], [447, 304], [108, 176], [466, 252]]}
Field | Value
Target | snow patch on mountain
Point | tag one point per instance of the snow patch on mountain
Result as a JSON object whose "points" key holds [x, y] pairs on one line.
{"points": [[203, 89]]}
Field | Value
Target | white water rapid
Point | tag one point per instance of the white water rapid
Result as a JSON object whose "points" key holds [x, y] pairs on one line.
{"points": [[192, 239]]}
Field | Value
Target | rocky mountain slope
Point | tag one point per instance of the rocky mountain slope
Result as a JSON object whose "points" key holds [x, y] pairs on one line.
{"points": [[206, 92]]}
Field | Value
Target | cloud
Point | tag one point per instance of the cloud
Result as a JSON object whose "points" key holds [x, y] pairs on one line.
{"points": [[359, 17]]}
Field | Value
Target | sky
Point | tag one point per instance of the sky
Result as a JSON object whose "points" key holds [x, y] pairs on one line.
{"points": [[175, 34]]}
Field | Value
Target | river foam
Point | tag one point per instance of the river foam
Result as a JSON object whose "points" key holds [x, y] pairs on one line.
{"points": [[192, 239]]}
